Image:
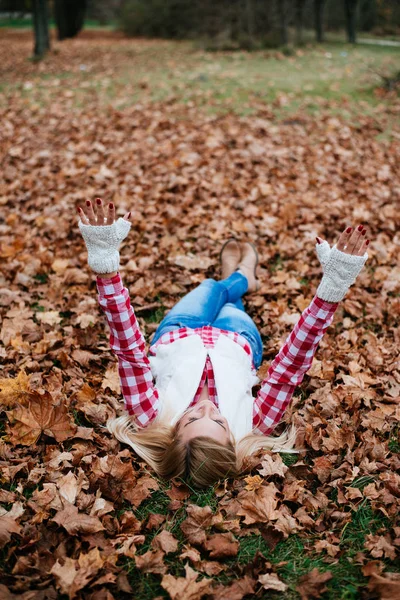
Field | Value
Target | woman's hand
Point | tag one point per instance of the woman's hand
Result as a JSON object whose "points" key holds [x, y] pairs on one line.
{"points": [[342, 263], [103, 236], [352, 241]]}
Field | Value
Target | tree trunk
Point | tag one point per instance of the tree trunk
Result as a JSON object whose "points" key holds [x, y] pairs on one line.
{"points": [[350, 7], [319, 19], [69, 16], [250, 22], [282, 12], [41, 28], [299, 21]]}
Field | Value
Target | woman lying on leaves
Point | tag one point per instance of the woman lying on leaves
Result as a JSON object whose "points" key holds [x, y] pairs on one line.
{"points": [[199, 420]]}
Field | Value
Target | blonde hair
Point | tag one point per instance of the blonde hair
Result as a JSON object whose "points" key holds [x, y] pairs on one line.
{"points": [[202, 461]]}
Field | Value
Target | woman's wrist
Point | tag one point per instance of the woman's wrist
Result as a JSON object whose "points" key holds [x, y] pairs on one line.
{"points": [[106, 275]]}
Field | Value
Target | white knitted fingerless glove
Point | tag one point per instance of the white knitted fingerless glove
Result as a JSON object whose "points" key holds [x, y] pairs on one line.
{"points": [[340, 271], [102, 242]]}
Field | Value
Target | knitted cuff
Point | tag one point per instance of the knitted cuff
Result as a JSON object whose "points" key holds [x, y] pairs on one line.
{"points": [[102, 242], [340, 272]]}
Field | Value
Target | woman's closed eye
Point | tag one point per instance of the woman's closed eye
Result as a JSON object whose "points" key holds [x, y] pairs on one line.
{"points": [[215, 421]]}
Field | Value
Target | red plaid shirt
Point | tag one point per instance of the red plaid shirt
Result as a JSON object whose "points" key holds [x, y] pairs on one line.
{"points": [[141, 397]]}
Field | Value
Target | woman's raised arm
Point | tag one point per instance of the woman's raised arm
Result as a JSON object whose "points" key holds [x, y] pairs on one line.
{"points": [[103, 236], [341, 265]]}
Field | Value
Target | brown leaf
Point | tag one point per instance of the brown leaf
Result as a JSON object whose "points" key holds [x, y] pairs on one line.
{"points": [[165, 541], [76, 522], [151, 562], [260, 505], [185, 588], [8, 525], [40, 415], [221, 545], [271, 581], [312, 585], [197, 521], [13, 391], [236, 590]]}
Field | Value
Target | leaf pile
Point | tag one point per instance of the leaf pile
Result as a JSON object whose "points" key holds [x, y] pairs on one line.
{"points": [[80, 515]]}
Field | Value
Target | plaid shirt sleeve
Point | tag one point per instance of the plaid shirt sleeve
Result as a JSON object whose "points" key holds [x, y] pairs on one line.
{"points": [[127, 343], [291, 364]]}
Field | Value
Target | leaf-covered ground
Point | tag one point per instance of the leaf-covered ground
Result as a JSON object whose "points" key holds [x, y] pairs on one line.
{"points": [[80, 516]]}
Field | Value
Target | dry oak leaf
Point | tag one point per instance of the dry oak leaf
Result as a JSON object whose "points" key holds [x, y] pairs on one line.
{"points": [[186, 588], [236, 590], [13, 391], [76, 522], [198, 520], [74, 575], [165, 541], [380, 546], [151, 562], [40, 415], [387, 585], [221, 545], [259, 506], [312, 584], [271, 581]]}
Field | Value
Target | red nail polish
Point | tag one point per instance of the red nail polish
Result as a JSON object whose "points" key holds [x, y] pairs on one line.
{"points": [[98, 201], [364, 232], [88, 202], [367, 242], [360, 228], [78, 209], [129, 215], [349, 229], [111, 205], [318, 242]]}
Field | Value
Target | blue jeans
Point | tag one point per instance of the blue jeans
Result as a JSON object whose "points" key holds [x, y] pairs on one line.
{"points": [[216, 303]]}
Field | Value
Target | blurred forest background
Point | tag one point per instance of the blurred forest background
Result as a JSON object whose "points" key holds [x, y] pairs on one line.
{"points": [[219, 24]]}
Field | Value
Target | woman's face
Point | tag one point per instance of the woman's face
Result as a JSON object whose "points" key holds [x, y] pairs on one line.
{"points": [[203, 419]]}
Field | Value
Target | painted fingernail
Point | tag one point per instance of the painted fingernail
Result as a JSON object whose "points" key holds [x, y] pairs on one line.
{"points": [[367, 242], [364, 231], [129, 215], [88, 203], [78, 209], [318, 242], [111, 205], [98, 201], [349, 230], [360, 228]]}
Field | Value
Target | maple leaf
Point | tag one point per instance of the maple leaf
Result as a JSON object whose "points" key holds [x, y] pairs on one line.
{"points": [[40, 415], [151, 562], [74, 575], [76, 522], [185, 588], [13, 391], [236, 590], [8, 525], [197, 521], [165, 541], [386, 585], [271, 581], [312, 584], [221, 545], [259, 506], [272, 464]]}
